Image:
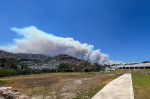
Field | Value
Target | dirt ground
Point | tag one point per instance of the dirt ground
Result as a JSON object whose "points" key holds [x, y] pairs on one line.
{"points": [[59, 85]]}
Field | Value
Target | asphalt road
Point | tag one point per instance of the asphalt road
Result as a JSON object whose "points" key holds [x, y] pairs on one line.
{"points": [[120, 88]]}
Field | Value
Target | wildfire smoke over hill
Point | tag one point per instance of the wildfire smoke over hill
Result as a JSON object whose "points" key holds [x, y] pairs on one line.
{"points": [[38, 42]]}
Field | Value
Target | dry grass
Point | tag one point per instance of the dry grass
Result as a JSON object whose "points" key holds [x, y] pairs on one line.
{"points": [[59, 85]]}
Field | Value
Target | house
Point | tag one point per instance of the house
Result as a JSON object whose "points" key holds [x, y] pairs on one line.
{"points": [[108, 69]]}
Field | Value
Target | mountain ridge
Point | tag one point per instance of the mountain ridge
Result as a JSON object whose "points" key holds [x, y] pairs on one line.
{"points": [[45, 61], [5, 54]]}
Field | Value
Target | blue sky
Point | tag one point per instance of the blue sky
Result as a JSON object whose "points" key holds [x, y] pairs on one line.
{"points": [[120, 28]]}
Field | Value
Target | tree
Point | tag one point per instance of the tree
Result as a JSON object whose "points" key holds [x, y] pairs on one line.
{"points": [[64, 68]]}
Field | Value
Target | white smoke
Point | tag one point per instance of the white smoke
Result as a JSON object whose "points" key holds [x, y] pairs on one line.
{"points": [[38, 42]]}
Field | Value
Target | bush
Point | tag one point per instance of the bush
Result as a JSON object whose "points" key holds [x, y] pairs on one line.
{"points": [[5, 72], [3, 82], [86, 70], [64, 68]]}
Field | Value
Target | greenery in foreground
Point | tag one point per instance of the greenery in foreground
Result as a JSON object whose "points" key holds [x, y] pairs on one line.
{"points": [[26, 71], [141, 85], [9, 67]]}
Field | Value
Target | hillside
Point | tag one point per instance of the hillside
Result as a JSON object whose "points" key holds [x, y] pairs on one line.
{"points": [[74, 63], [67, 62], [4, 54]]}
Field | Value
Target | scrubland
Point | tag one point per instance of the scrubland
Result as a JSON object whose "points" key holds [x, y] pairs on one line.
{"points": [[59, 85]]}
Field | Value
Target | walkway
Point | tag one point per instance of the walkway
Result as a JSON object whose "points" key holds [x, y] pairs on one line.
{"points": [[120, 88]]}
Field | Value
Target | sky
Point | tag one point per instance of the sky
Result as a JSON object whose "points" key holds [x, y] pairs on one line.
{"points": [[119, 28]]}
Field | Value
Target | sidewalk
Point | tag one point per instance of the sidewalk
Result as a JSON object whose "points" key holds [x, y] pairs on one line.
{"points": [[120, 88]]}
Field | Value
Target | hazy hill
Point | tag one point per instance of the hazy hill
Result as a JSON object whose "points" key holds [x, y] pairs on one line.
{"points": [[4, 54], [70, 61]]}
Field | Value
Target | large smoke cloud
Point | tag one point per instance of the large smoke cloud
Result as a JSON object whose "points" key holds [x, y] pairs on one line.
{"points": [[38, 42]]}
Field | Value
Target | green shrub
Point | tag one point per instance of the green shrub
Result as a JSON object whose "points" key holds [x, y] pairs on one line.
{"points": [[5, 72], [3, 82]]}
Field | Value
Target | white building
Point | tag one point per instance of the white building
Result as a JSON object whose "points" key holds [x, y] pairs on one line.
{"points": [[134, 66]]}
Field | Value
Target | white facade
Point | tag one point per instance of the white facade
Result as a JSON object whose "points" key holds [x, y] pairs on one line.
{"points": [[134, 65]]}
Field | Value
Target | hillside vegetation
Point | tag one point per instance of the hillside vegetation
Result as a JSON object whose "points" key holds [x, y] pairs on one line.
{"points": [[23, 64]]}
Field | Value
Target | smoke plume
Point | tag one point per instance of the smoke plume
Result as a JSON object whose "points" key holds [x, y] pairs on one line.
{"points": [[38, 42]]}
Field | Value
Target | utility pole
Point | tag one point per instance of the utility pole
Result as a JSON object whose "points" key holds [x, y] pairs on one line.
{"points": [[125, 68], [132, 69]]}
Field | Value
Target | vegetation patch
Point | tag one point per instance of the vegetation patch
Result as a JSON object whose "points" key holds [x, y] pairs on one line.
{"points": [[141, 85], [2, 82]]}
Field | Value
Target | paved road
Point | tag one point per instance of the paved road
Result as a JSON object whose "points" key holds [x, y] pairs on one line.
{"points": [[120, 88]]}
